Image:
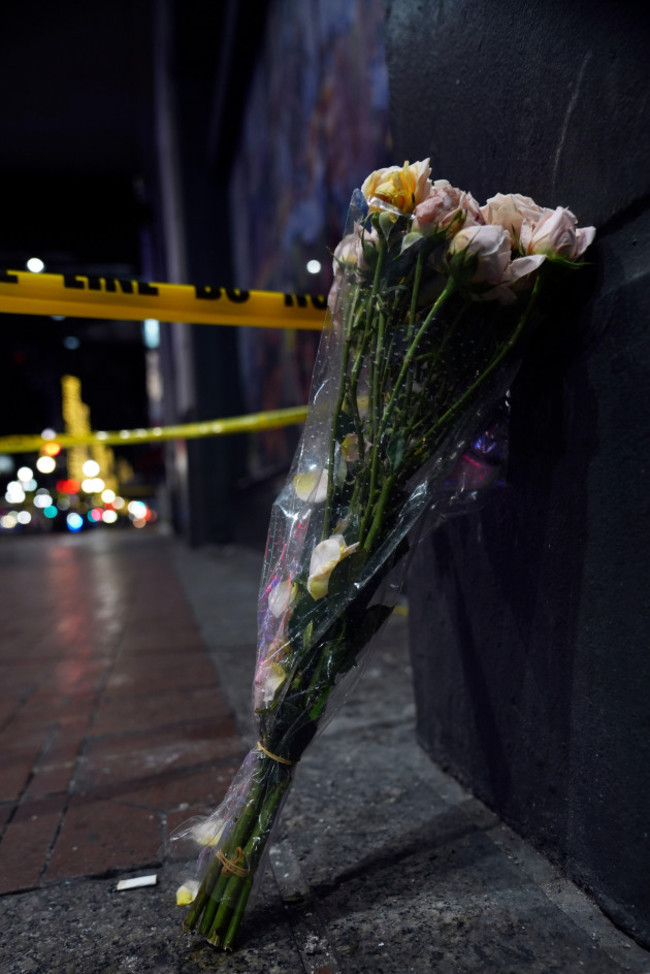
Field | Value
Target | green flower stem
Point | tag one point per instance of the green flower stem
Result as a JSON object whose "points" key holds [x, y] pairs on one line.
{"points": [[370, 312], [203, 895], [209, 896], [352, 391], [379, 512], [382, 426], [376, 410], [449, 289], [354, 404], [331, 475], [225, 906], [449, 414], [238, 914], [210, 882], [229, 897]]}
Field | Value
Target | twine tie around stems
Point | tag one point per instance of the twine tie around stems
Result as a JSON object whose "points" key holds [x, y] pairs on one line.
{"points": [[232, 865], [274, 757]]}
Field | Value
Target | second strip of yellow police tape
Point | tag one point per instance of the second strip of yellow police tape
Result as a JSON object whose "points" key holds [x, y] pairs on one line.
{"points": [[252, 423], [80, 296]]}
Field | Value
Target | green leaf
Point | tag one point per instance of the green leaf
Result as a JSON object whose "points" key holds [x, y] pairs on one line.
{"points": [[411, 238], [386, 223], [305, 612], [345, 574], [395, 451]]}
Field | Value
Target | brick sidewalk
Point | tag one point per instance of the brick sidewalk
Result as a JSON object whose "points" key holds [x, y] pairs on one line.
{"points": [[113, 729]]}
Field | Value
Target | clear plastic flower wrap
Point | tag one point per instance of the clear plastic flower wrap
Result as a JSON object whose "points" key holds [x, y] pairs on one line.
{"points": [[432, 304]]}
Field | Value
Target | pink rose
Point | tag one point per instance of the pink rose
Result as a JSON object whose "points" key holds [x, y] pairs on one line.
{"points": [[510, 211], [489, 245], [556, 234], [446, 205], [492, 263], [345, 256], [345, 253]]}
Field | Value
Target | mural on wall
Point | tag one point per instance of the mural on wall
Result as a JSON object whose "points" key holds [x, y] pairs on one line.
{"points": [[316, 123]]}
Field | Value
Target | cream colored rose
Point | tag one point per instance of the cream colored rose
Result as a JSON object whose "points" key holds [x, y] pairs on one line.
{"points": [[489, 247], [446, 206], [400, 186], [510, 211], [324, 559], [557, 234], [345, 253], [345, 257]]}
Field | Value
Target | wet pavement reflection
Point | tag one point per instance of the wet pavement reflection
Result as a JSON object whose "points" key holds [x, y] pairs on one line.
{"points": [[113, 728]]}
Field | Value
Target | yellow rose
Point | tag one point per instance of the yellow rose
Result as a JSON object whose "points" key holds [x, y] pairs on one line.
{"points": [[402, 187]]}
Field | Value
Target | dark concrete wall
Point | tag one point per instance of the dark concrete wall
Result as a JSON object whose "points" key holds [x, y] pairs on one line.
{"points": [[529, 618]]}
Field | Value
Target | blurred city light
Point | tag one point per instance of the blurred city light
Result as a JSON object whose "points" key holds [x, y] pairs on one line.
{"points": [[47, 434], [50, 511], [108, 496], [92, 485], [151, 332], [90, 468], [35, 265], [15, 493], [313, 266], [74, 522], [42, 500], [70, 486], [25, 473], [46, 464], [137, 509], [23, 517], [51, 449], [109, 517]]}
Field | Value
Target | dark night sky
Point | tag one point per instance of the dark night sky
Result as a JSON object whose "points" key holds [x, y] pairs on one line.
{"points": [[79, 171], [77, 148]]}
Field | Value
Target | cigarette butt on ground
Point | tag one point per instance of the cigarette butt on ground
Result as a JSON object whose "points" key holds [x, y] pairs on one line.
{"points": [[136, 881]]}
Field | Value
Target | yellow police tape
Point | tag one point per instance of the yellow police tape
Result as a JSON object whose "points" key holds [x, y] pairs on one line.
{"points": [[79, 296], [185, 431]]}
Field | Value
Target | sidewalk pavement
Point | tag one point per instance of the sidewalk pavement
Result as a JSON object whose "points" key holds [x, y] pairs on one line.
{"points": [[125, 670]]}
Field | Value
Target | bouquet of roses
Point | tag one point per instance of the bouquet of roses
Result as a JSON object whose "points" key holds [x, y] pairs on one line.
{"points": [[433, 301]]}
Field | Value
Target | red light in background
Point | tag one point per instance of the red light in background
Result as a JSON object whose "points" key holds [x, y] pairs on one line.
{"points": [[51, 449], [70, 486]]}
